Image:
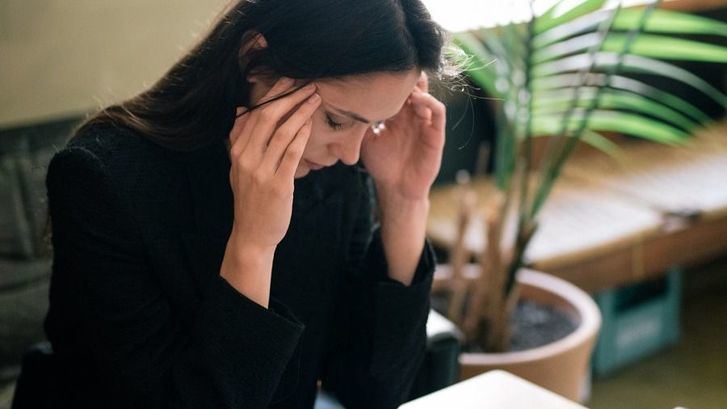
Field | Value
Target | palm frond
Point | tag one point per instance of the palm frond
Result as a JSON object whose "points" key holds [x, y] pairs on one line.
{"points": [[648, 45], [618, 82], [631, 64], [553, 103], [660, 21]]}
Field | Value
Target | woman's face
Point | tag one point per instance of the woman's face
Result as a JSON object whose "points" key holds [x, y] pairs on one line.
{"points": [[350, 106]]}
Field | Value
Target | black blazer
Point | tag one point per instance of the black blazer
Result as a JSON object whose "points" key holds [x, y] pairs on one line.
{"points": [[139, 316]]}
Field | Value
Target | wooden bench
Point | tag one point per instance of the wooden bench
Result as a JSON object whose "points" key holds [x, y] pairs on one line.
{"points": [[615, 222]]}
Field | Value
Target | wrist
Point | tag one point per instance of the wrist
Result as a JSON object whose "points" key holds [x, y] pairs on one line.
{"points": [[249, 256], [393, 194], [243, 245], [397, 209], [403, 232], [248, 268]]}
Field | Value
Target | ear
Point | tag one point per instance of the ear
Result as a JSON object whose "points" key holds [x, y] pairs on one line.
{"points": [[259, 41], [255, 41]]}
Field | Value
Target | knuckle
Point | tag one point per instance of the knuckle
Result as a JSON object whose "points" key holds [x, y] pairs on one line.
{"points": [[235, 151], [285, 133], [293, 152], [259, 177], [275, 146], [267, 114], [245, 164]]}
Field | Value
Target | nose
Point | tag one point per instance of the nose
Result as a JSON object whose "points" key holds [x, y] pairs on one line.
{"points": [[349, 150]]}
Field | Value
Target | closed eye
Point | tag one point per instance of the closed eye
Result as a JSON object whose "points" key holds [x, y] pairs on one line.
{"points": [[332, 123]]}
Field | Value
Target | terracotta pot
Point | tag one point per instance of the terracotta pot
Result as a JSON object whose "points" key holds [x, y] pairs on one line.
{"points": [[561, 366]]}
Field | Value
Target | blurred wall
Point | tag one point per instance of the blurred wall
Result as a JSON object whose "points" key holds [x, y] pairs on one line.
{"points": [[64, 57]]}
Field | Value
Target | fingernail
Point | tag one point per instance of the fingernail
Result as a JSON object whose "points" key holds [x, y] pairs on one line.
{"points": [[313, 99]]}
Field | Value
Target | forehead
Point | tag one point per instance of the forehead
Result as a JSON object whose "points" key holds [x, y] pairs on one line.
{"points": [[374, 96]]}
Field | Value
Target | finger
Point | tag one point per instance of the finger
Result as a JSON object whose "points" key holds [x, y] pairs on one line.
{"points": [[438, 110], [285, 134], [270, 116], [423, 112], [281, 85], [294, 152], [241, 118], [423, 82]]}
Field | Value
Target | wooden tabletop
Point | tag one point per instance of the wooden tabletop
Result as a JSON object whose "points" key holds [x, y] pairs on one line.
{"points": [[493, 390]]}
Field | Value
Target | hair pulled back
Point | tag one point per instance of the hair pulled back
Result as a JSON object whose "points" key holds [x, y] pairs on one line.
{"points": [[194, 103]]}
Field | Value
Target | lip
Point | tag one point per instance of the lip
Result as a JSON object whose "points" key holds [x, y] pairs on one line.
{"points": [[313, 165]]}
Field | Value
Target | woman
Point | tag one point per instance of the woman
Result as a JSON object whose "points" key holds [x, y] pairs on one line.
{"points": [[187, 273]]}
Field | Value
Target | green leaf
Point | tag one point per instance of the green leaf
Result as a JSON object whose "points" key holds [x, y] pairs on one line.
{"points": [[648, 45], [660, 21], [621, 122], [580, 25], [560, 14], [556, 102], [563, 48], [479, 68], [668, 48], [665, 21], [601, 143], [626, 84], [629, 63], [505, 155], [495, 44], [597, 141]]}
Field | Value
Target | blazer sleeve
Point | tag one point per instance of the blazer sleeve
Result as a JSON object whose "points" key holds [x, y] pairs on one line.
{"points": [[380, 329], [231, 354]]}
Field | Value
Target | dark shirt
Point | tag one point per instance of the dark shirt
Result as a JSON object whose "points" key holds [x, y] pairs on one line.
{"points": [[140, 318]]}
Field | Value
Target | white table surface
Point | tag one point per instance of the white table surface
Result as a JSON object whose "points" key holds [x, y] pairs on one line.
{"points": [[492, 390]]}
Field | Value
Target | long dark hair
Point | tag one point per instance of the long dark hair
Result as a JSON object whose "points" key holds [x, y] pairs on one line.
{"points": [[195, 101]]}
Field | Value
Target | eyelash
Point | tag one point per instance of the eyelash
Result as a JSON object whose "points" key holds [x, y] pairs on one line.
{"points": [[333, 124]]}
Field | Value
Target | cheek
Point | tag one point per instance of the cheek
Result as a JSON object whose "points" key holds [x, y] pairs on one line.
{"points": [[318, 140], [321, 133], [322, 136]]}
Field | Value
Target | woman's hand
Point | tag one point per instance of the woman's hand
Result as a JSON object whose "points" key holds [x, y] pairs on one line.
{"points": [[404, 157], [265, 154], [266, 146]]}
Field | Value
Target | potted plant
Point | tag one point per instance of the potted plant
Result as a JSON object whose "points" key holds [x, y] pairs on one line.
{"points": [[563, 77]]}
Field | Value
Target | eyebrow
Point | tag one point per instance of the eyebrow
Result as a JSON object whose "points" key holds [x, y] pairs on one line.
{"points": [[350, 114]]}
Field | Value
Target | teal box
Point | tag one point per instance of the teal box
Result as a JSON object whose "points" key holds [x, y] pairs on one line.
{"points": [[638, 320]]}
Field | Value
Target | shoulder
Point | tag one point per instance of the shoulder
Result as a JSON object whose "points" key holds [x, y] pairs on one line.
{"points": [[114, 153], [114, 148]]}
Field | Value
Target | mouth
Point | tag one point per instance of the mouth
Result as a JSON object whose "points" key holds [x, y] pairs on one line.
{"points": [[313, 165]]}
